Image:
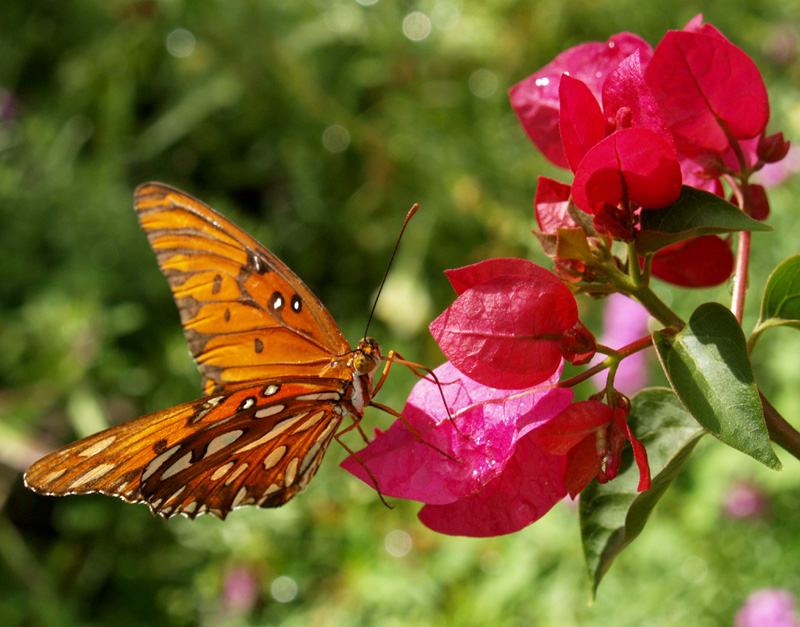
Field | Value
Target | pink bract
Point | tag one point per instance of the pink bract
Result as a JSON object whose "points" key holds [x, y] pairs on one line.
{"points": [[490, 421], [708, 90], [535, 99], [635, 165], [505, 330], [700, 262]]}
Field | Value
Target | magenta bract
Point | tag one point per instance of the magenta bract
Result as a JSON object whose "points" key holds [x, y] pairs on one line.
{"points": [[634, 165], [535, 99], [708, 90], [493, 425], [699, 262], [505, 329], [551, 204]]}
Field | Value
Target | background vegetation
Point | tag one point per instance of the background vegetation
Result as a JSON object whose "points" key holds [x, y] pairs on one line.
{"points": [[315, 125]]}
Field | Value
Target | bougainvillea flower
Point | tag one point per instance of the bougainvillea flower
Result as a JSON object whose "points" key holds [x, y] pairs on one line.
{"points": [[591, 434], [535, 99], [497, 464], [699, 262], [505, 328]]}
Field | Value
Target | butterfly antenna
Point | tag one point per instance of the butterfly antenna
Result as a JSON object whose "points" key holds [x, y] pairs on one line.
{"points": [[411, 212]]}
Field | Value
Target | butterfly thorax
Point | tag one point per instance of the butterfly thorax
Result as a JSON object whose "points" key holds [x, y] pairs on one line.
{"points": [[363, 362]]}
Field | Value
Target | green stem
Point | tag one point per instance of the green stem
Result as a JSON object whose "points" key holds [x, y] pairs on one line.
{"points": [[633, 264], [657, 307]]}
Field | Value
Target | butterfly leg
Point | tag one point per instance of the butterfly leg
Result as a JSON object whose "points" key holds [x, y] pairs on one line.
{"points": [[396, 358], [355, 456], [413, 431]]}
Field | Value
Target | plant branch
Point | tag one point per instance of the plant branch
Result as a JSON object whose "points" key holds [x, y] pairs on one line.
{"points": [[740, 275], [780, 431]]}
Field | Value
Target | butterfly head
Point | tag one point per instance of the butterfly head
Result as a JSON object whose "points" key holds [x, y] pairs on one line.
{"points": [[367, 357]]}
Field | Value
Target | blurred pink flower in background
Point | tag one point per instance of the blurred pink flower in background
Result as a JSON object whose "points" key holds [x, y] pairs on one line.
{"points": [[745, 500], [769, 607], [239, 590], [624, 321]]}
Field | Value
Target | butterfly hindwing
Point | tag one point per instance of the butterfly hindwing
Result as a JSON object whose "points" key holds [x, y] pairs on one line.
{"points": [[246, 315], [259, 445]]}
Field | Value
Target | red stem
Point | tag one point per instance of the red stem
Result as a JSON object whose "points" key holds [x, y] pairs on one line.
{"points": [[740, 275]]}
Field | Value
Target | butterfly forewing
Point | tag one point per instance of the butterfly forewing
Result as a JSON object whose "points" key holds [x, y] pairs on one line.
{"points": [[259, 445], [246, 315]]}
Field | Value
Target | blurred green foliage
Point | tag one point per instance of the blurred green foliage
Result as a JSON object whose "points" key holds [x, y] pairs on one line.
{"points": [[315, 125]]}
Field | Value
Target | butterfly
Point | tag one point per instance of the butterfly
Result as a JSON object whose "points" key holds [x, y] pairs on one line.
{"points": [[279, 378]]}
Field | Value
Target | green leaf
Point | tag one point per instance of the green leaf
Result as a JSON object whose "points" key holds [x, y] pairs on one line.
{"points": [[708, 367], [613, 514], [695, 213], [780, 304]]}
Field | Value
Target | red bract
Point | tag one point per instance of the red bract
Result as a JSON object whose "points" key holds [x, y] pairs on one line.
{"points": [[699, 262], [591, 435], [535, 99], [633, 165], [629, 102], [550, 204], [580, 120], [708, 90], [505, 328], [501, 477]]}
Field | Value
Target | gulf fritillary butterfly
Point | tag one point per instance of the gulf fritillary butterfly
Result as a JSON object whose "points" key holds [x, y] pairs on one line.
{"points": [[278, 374]]}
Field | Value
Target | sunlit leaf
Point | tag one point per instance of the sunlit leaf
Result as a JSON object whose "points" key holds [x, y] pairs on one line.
{"points": [[693, 214], [709, 369], [780, 304]]}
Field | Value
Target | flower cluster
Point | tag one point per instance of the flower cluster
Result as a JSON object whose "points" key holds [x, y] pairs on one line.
{"points": [[493, 440], [634, 124]]}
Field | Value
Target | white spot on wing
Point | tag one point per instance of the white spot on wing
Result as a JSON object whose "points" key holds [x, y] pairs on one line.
{"points": [[320, 396], [182, 464], [95, 473], [175, 496], [221, 441], [97, 447], [271, 435], [54, 475], [310, 457], [291, 472], [222, 471], [239, 497], [188, 509], [236, 473], [274, 457], [271, 389], [269, 411], [313, 420], [270, 490], [158, 461]]}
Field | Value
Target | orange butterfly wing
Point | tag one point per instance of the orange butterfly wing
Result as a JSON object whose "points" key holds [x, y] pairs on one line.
{"points": [[279, 374], [246, 315], [259, 445]]}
